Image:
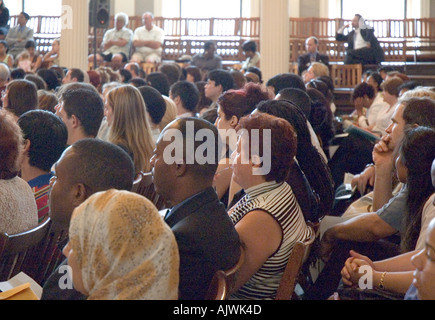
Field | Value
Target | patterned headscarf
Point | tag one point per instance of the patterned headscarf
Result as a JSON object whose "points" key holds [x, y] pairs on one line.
{"points": [[124, 248]]}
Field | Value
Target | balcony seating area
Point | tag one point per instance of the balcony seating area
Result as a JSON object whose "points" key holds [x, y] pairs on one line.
{"points": [[405, 42]]}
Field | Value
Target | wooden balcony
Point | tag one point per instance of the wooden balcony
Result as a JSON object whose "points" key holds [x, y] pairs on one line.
{"points": [[402, 40]]}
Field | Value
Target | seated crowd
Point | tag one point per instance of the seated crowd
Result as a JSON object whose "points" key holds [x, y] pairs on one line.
{"points": [[245, 169]]}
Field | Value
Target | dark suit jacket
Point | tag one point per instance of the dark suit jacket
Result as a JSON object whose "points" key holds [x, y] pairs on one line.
{"points": [[304, 61], [207, 241], [369, 36]]}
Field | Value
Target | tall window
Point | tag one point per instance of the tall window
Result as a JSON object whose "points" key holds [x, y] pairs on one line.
{"points": [[374, 9], [201, 8], [35, 8], [43, 7], [210, 9]]}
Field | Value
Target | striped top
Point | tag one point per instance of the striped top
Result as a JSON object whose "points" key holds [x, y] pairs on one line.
{"points": [[278, 200], [41, 188]]}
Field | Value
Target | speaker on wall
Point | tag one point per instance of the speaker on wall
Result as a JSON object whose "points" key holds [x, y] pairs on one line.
{"points": [[99, 13]]}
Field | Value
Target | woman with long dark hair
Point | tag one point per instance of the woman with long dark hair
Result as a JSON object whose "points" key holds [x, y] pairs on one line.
{"points": [[321, 118], [309, 160], [414, 167], [232, 106]]}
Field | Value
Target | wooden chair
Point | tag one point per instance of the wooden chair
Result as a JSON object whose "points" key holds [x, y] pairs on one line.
{"points": [[16, 249], [47, 256], [143, 185], [148, 67], [292, 272], [346, 75], [223, 281]]}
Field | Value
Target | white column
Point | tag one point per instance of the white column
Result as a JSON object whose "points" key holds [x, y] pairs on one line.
{"points": [[274, 37], [74, 37]]}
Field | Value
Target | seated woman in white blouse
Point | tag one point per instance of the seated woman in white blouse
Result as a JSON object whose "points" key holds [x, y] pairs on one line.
{"points": [[268, 218]]}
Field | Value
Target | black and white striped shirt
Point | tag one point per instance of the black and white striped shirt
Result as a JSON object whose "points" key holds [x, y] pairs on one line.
{"points": [[276, 199]]}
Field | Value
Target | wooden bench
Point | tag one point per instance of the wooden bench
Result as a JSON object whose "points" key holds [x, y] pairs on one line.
{"points": [[345, 78], [229, 50], [421, 50], [395, 51], [346, 75]]}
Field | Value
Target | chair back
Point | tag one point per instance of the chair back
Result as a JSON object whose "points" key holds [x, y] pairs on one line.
{"points": [[218, 289], [16, 250], [223, 281], [143, 185], [298, 257], [47, 256], [346, 75]]}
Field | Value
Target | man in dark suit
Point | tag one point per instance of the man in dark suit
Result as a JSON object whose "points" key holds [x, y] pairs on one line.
{"points": [[363, 47], [312, 55], [184, 165]]}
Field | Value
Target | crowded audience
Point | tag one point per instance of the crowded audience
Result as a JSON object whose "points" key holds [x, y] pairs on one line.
{"points": [[245, 167]]}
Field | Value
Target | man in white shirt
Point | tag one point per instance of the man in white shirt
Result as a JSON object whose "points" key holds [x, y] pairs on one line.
{"points": [[148, 41], [116, 42], [363, 47]]}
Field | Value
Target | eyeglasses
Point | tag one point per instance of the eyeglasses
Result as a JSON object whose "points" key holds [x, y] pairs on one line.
{"points": [[52, 180]]}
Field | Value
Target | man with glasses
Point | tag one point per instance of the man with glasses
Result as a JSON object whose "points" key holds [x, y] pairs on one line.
{"points": [[148, 41], [116, 42]]}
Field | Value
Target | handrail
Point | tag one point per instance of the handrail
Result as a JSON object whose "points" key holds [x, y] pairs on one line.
{"points": [[300, 28], [187, 35]]}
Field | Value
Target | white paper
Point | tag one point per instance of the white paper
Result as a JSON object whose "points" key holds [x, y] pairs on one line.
{"points": [[20, 279], [348, 181]]}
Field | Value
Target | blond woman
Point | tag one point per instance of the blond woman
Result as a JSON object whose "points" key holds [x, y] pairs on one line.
{"points": [[129, 126]]}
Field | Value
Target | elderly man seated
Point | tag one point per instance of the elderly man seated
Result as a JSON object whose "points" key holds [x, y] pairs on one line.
{"points": [[116, 42], [148, 41]]}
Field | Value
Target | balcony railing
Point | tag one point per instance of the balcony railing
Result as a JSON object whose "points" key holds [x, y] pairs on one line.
{"points": [[414, 33]]}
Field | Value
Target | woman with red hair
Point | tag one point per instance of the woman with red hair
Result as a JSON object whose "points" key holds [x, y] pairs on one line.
{"points": [[232, 105], [268, 218]]}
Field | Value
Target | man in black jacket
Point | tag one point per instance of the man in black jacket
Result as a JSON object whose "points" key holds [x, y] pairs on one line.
{"points": [[206, 237], [312, 55], [363, 47]]}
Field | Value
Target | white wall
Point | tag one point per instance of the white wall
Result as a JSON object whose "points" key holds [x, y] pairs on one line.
{"points": [[126, 6]]}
